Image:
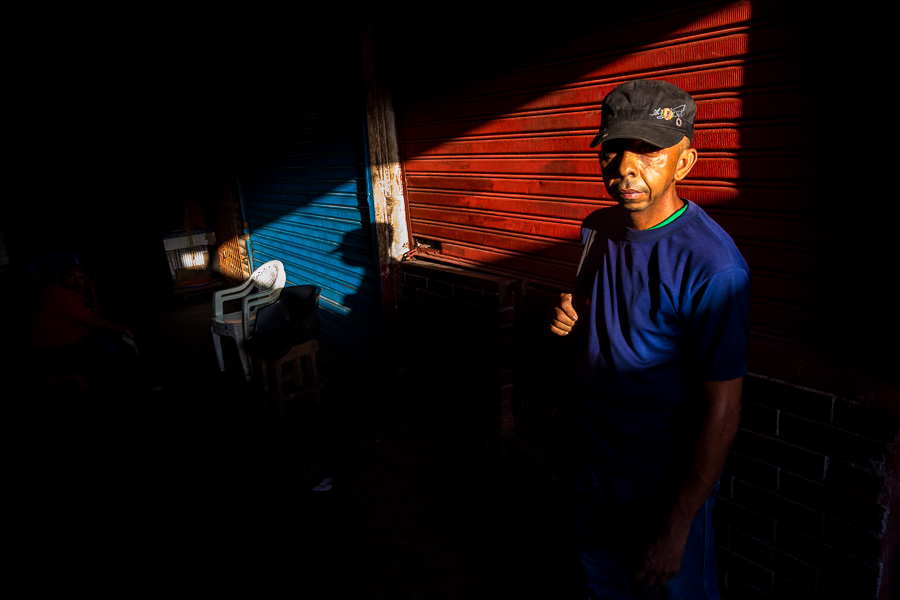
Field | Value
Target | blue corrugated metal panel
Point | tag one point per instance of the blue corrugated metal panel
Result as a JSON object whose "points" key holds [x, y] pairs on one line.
{"points": [[308, 205]]}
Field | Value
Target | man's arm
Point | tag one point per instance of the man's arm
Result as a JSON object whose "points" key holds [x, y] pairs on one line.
{"points": [[563, 317], [101, 323], [662, 557]]}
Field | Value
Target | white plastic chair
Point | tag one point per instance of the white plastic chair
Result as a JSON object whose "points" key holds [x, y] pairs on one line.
{"points": [[263, 287]]}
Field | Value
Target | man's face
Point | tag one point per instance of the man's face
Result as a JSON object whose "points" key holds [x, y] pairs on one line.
{"points": [[73, 280], [636, 174]]}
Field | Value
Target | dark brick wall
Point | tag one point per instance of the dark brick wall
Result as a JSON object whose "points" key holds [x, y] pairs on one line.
{"points": [[804, 508], [804, 505], [457, 331]]}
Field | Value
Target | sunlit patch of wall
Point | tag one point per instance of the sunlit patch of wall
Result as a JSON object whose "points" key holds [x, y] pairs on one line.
{"points": [[499, 176], [499, 170]]}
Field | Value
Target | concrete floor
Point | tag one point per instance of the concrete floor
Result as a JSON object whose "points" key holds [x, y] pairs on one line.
{"points": [[198, 488]]}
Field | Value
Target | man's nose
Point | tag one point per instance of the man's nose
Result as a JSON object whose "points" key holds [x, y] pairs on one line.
{"points": [[628, 163]]}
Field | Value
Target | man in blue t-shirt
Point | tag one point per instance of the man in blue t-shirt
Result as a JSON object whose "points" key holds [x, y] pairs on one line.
{"points": [[659, 311]]}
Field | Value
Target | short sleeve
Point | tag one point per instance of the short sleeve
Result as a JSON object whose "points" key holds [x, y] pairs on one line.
{"points": [[718, 326]]}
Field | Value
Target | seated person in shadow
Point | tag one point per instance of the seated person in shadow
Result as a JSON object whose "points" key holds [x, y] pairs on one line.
{"points": [[66, 337]]}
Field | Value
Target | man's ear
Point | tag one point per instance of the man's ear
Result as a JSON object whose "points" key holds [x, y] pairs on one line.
{"points": [[686, 162]]}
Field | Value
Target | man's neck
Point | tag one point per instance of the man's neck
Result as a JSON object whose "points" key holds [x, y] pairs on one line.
{"points": [[645, 219]]}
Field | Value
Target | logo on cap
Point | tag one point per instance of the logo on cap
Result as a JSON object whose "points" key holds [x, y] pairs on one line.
{"points": [[669, 113]]}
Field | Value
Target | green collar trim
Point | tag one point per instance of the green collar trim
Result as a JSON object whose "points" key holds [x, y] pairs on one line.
{"points": [[671, 218]]}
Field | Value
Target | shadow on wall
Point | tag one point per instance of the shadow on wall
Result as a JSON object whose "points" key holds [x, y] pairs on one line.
{"points": [[499, 172]]}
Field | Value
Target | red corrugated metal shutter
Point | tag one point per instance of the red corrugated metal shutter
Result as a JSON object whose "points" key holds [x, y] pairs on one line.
{"points": [[499, 173]]}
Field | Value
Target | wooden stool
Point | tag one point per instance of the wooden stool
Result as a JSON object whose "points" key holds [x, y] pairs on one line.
{"points": [[300, 361]]}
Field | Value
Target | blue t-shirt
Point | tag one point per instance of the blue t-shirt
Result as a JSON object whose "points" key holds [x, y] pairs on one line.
{"points": [[660, 311]]}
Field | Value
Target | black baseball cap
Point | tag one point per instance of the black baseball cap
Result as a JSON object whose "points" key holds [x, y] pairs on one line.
{"points": [[657, 112]]}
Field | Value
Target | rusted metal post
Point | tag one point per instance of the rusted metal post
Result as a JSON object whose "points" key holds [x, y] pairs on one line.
{"points": [[391, 225], [384, 160]]}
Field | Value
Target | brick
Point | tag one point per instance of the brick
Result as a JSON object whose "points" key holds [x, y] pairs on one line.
{"points": [[830, 440], [414, 281], [834, 503], [740, 569], [755, 471], [865, 545], [778, 562], [744, 519], [854, 480], [433, 300], [409, 292], [539, 301], [778, 508], [440, 287], [469, 295], [759, 419], [492, 300], [870, 423], [782, 454], [832, 588], [803, 403], [741, 590], [787, 590], [826, 558], [495, 301]]}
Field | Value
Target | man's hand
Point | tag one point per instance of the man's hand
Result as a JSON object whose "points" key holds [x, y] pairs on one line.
{"points": [[661, 560], [563, 317]]}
